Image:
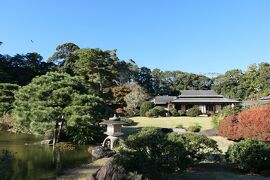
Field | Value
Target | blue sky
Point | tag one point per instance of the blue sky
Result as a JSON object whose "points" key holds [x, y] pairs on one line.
{"points": [[194, 36]]}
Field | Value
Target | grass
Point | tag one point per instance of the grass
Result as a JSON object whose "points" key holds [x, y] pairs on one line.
{"points": [[223, 143], [172, 122]]}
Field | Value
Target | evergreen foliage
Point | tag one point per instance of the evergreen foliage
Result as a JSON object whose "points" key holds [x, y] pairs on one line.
{"points": [[151, 153], [145, 106], [54, 98], [156, 155], [199, 147], [193, 112], [250, 155], [158, 111], [174, 112], [7, 97]]}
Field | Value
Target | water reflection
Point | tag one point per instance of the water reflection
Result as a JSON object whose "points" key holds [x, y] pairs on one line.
{"points": [[34, 161]]}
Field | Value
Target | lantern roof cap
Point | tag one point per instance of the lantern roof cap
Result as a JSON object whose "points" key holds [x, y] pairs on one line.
{"points": [[113, 121]]}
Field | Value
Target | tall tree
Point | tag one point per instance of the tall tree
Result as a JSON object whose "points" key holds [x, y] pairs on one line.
{"points": [[54, 99], [127, 72], [98, 67], [64, 57], [229, 84], [119, 94], [7, 97], [160, 84], [21, 69], [134, 99], [145, 79]]}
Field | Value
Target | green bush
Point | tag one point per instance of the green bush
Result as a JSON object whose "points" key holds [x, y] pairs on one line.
{"points": [[83, 133], [199, 147], [251, 155], [174, 112], [145, 106], [151, 153], [158, 111], [195, 128], [181, 113], [179, 126], [128, 120], [149, 114], [193, 112], [224, 113], [7, 97]]}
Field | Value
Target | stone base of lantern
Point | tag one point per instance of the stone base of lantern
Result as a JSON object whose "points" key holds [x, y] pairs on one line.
{"points": [[110, 142]]}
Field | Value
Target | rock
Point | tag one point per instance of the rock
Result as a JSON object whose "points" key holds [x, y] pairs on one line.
{"points": [[47, 141], [210, 132], [179, 130], [90, 148], [109, 171], [100, 152]]}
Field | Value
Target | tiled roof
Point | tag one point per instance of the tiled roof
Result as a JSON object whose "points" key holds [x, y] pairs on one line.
{"points": [[199, 93], [193, 96], [163, 99], [205, 100]]}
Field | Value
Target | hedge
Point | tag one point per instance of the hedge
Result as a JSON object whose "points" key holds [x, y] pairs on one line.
{"points": [[193, 112], [250, 155]]}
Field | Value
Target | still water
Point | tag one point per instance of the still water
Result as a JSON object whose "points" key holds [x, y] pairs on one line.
{"points": [[35, 161]]}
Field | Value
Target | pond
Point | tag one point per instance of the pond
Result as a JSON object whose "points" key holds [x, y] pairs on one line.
{"points": [[35, 161]]}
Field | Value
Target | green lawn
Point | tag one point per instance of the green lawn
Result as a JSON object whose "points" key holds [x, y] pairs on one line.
{"points": [[171, 122]]}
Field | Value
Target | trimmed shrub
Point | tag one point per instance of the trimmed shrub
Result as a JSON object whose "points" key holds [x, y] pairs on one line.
{"points": [[179, 126], [156, 154], [120, 111], [181, 113], [193, 112], [224, 113], [145, 106], [174, 112], [128, 120], [229, 128], [195, 128], [199, 147], [252, 123], [149, 114], [250, 155], [150, 152], [158, 111]]}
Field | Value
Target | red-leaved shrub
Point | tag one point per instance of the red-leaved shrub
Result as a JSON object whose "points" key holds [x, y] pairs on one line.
{"points": [[120, 111], [252, 123]]}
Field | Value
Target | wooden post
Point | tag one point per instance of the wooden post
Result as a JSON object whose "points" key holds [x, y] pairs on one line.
{"points": [[59, 131], [54, 136]]}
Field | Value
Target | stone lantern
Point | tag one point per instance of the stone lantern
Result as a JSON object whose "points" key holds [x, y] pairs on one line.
{"points": [[114, 126]]}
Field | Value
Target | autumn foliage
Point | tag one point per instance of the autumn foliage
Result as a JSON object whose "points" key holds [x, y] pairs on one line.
{"points": [[253, 123]]}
